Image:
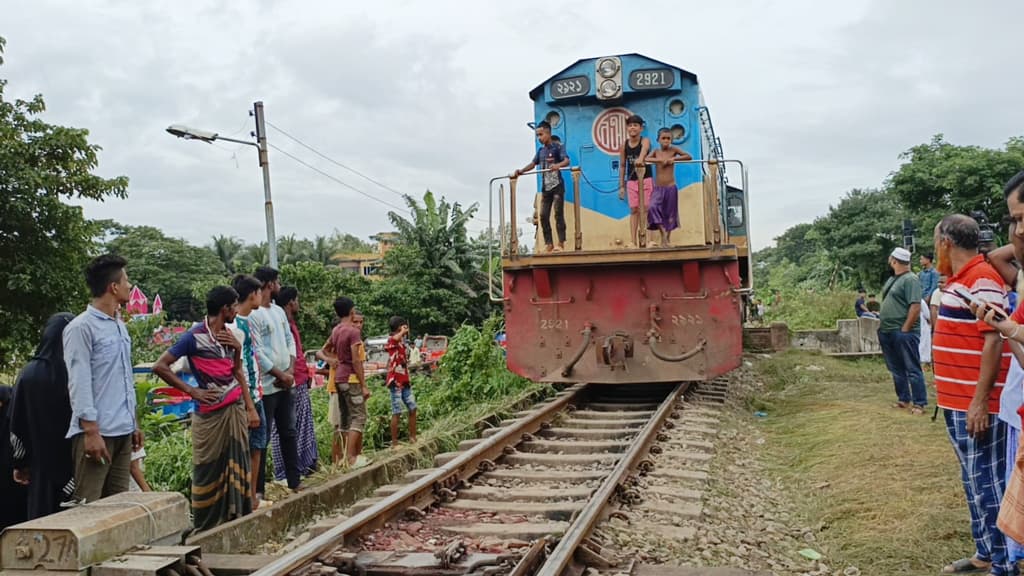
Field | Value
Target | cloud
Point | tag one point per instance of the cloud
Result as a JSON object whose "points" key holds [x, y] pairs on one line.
{"points": [[434, 95]]}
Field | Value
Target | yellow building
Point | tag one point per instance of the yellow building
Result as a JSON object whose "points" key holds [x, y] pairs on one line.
{"points": [[367, 264]]}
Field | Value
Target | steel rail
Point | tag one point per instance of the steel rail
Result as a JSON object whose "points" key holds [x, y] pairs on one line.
{"points": [[562, 555], [421, 492]]}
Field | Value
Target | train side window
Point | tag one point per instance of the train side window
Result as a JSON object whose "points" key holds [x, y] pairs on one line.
{"points": [[735, 217]]}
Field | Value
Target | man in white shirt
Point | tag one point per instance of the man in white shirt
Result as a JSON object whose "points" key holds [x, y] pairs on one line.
{"points": [[276, 366]]}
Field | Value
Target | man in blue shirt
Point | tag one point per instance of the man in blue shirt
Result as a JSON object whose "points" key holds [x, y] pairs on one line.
{"points": [[551, 158], [861, 306], [928, 276], [98, 354]]}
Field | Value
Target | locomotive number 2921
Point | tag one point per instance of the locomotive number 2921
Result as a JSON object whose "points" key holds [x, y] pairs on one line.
{"points": [[686, 320], [556, 324]]}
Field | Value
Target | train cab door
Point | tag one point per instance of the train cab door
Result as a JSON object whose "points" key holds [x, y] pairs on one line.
{"points": [[736, 223]]}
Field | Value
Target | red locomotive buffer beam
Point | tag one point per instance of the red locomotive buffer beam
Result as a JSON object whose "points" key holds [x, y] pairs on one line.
{"points": [[660, 320]]}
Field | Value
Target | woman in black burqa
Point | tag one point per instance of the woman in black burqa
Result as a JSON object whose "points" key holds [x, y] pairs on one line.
{"points": [[12, 495], [40, 416]]}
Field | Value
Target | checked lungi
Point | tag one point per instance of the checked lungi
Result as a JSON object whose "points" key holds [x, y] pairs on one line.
{"points": [[305, 436], [983, 472]]}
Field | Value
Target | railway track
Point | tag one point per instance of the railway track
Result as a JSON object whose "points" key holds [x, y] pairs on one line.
{"points": [[528, 498]]}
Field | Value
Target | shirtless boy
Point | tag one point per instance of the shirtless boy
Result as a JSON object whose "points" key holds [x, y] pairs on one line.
{"points": [[663, 210]]}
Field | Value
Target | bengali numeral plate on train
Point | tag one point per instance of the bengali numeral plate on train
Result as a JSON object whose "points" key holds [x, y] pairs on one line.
{"points": [[570, 87], [687, 320], [651, 79]]}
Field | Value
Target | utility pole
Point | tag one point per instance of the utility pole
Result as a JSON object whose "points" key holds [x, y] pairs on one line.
{"points": [[268, 204]]}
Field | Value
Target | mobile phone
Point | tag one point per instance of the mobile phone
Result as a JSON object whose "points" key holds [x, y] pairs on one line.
{"points": [[969, 298]]}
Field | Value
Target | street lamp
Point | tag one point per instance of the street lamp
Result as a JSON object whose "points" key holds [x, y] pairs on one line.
{"points": [[260, 144]]}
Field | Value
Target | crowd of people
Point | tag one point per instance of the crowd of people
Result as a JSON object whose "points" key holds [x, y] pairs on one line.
{"points": [[960, 317], [73, 422]]}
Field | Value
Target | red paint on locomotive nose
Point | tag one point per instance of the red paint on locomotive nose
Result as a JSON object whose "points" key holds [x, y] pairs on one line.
{"points": [[618, 301]]}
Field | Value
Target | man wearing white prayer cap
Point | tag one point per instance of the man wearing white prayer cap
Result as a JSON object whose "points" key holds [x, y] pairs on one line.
{"points": [[899, 333]]}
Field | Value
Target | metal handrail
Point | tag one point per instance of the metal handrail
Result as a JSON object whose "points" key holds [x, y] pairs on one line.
{"points": [[576, 171], [513, 247]]}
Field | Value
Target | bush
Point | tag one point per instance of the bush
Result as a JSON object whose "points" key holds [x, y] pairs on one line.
{"points": [[812, 310]]}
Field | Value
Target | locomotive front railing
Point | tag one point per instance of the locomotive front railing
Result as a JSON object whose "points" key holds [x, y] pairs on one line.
{"points": [[508, 241]]}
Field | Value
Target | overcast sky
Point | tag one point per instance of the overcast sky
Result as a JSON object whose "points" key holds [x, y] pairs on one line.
{"points": [[816, 97]]}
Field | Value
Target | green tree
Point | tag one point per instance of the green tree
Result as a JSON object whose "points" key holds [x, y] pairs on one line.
{"points": [[291, 249], [228, 249], [344, 243], [323, 250], [859, 233], [159, 264], [943, 177], [254, 255], [318, 287], [45, 242], [435, 274]]}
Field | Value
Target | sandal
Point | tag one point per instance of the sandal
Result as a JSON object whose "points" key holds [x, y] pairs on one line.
{"points": [[917, 410], [966, 566], [900, 405]]}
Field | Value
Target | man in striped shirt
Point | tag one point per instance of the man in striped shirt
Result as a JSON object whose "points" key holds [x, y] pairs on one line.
{"points": [[970, 369]]}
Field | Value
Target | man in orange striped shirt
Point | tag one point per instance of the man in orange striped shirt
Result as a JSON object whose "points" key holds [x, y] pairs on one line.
{"points": [[970, 369]]}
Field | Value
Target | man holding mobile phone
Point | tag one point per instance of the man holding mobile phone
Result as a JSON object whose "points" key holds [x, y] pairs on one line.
{"points": [[899, 333], [970, 369]]}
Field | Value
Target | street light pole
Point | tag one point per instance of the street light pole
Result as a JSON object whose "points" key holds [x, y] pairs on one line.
{"points": [[260, 144], [268, 204]]}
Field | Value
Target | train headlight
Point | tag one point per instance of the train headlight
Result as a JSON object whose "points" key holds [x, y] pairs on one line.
{"points": [[609, 88], [607, 67]]}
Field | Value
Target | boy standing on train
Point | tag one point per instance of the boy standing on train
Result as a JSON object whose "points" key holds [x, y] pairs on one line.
{"points": [[551, 156], [633, 154], [663, 210]]}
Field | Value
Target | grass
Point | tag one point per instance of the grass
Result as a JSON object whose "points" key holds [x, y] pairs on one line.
{"points": [[884, 486]]}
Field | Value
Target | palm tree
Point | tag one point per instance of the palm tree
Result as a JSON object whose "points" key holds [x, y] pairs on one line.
{"points": [[227, 249], [323, 250], [256, 255], [291, 249]]}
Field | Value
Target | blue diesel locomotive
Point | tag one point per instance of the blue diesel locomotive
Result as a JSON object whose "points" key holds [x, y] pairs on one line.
{"points": [[606, 309]]}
